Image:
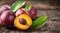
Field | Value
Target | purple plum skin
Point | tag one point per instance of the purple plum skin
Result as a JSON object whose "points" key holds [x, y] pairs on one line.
{"points": [[32, 12], [7, 18], [3, 8]]}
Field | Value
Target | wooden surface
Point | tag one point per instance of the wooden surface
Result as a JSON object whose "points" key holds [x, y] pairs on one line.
{"points": [[53, 22]]}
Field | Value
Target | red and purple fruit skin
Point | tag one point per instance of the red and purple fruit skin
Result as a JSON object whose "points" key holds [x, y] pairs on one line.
{"points": [[32, 12], [20, 11], [7, 18], [3, 8]]}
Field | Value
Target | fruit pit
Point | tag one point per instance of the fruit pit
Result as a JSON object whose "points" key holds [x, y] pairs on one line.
{"points": [[22, 21]]}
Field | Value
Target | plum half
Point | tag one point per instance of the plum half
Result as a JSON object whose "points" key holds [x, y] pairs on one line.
{"points": [[23, 22]]}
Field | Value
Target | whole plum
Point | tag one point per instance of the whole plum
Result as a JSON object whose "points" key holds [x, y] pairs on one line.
{"points": [[7, 18], [21, 11], [32, 12], [3, 8]]}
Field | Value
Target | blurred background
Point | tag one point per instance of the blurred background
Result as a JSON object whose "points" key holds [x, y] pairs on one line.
{"points": [[50, 8], [40, 4]]}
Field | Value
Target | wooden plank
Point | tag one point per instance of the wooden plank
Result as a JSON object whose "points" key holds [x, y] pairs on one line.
{"points": [[52, 25]]}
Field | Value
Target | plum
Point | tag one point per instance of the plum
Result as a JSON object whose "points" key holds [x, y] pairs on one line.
{"points": [[23, 22], [21, 11], [7, 18], [3, 8], [32, 12]]}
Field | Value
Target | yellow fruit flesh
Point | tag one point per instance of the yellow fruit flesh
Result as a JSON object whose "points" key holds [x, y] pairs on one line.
{"points": [[20, 26]]}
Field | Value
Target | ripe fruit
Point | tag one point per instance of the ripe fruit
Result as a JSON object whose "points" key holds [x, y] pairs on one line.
{"points": [[3, 8], [21, 11], [23, 22], [7, 18], [32, 12]]}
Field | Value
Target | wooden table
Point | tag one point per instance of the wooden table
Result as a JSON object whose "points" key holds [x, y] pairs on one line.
{"points": [[53, 22]]}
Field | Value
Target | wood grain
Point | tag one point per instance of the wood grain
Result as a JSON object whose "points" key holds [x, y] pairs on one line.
{"points": [[37, 4], [53, 22]]}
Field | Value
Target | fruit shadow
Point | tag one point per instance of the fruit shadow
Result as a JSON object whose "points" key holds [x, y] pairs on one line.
{"points": [[29, 30], [15, 29], [12, 29], [37, 30]]}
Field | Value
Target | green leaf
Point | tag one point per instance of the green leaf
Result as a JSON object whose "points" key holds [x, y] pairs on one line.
{"points": [[15, 6], [28, 7], [39, 22]]}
